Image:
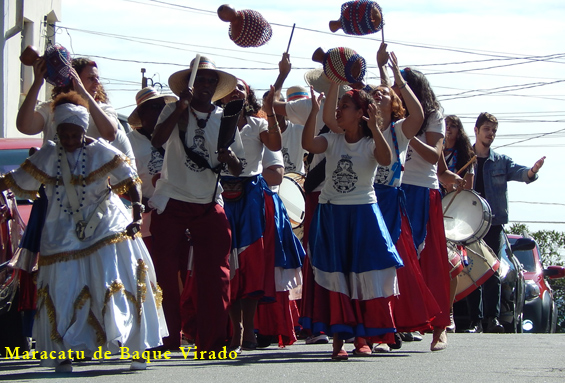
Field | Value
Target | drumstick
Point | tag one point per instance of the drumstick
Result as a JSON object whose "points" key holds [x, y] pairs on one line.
{"points": [[193, 73], [291, 33], [450, 202], [466, 165], [383, 34]]}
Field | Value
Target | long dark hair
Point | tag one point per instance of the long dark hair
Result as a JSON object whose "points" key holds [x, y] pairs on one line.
{"points": [[462, 144], [424, 93], [362, 100]]}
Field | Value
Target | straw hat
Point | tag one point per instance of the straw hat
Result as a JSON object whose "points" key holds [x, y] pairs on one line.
{"points": [[226, 84], [297, 92], [146, 94], [321, 82]]}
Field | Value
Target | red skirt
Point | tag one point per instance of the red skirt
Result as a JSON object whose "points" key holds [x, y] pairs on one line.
{"points": [[415, 307], [434, 262], [275, 319]]}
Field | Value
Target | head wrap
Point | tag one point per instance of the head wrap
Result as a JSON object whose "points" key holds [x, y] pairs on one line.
{"points": [[71, 114]]}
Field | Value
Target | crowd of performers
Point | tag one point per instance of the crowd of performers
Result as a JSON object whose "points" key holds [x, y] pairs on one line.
{"points": [[219, 264]]}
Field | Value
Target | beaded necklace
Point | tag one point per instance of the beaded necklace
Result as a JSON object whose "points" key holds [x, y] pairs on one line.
{"points": [[201, 122], [58, 182]]}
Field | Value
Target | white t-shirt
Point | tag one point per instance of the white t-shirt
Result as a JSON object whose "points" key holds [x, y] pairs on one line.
{"points": [[181, 178], [292, 151], [392, 175], [147, 159], [297, 112], [271, 158], [418, 171], [251, 162], [350, 171]]}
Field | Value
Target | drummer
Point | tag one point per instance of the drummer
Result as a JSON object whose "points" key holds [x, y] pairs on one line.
{"points": [[493, 172]]}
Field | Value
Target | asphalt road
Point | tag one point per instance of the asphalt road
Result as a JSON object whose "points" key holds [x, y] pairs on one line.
{"points": [[468, 358]]}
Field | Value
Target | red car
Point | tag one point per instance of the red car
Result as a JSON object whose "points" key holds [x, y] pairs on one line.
{"points": [[13, 152], [540, 310]]}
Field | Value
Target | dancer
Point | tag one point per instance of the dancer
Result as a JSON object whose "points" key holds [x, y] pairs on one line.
{"points": [[420, 183], [415, 306], [252, 276], [96, 284], [352, 255]]}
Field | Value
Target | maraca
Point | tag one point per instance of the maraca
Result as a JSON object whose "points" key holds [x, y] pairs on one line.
{"points": [[247, 27], [341, 65], [361, 17], [58, 62]]}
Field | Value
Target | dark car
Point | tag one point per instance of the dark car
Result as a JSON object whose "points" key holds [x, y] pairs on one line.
{"points": [[511, 297], [540, 310]]}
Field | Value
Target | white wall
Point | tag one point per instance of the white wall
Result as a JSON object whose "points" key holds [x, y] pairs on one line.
{"points": [[22, 25]]}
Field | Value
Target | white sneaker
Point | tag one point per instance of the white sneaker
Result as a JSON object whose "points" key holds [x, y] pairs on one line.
{"points": [[350, 340], [318, 339], [137, 365], [381, 348]]}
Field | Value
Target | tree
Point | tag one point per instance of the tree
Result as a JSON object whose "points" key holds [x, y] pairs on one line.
{"points": [[551, 244]]}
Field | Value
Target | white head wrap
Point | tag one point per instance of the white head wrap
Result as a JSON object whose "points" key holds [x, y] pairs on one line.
{"points": [[71, 114]]}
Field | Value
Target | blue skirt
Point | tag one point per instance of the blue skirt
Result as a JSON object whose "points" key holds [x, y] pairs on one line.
{"points": [[352, 252]]}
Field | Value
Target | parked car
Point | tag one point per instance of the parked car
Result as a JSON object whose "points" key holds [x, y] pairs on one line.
{"points": [[13, 152], [512, 293], [540, 310]]}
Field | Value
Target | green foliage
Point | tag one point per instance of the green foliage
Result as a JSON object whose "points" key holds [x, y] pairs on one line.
{"points": [[551, 244]]}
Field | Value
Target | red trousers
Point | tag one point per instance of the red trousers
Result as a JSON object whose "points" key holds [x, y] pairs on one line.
{"points": [[209, 291]]}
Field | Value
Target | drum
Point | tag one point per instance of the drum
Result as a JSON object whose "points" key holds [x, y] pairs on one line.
{"points": [[483, 263], [291, 192], [466, 216], [455, 259]]}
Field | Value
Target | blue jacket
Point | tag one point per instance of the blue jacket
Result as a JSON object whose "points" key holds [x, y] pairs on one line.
{"points": [[497, 171]]}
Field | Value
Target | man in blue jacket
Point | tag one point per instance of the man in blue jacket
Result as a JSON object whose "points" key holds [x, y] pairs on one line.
{"points": [[491, 182]]}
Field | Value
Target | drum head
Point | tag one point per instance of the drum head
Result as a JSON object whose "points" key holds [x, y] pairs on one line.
{"points": [[292, 196], [465, 215]]}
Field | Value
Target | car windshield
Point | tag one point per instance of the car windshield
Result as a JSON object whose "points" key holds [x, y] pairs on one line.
{"points": [[11, 159]]}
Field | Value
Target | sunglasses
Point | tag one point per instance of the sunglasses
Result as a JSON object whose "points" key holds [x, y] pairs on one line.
{"points": [[207, 80]]}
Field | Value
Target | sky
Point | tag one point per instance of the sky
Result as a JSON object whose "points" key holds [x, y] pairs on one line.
{"points": [[503, 57]]}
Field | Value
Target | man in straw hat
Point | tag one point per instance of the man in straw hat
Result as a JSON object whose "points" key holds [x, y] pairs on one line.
{"points": [[189, 129], [148, 160]]}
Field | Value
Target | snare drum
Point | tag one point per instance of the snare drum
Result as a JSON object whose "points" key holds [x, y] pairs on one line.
{"points": [[291, 192], [483, 263], [468, 216], [455, 259]]}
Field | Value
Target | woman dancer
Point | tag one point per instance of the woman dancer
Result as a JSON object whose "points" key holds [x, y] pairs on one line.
{"points": [[415, 306], [96, 284], [351, 252], [420, 183], [251, 271]]}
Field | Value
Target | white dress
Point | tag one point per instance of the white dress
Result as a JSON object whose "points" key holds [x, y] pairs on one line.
{"points": [[101, 291]]}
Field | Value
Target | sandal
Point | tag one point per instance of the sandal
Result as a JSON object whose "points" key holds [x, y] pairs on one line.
{"points": [[364, 350], [340, 355]]}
